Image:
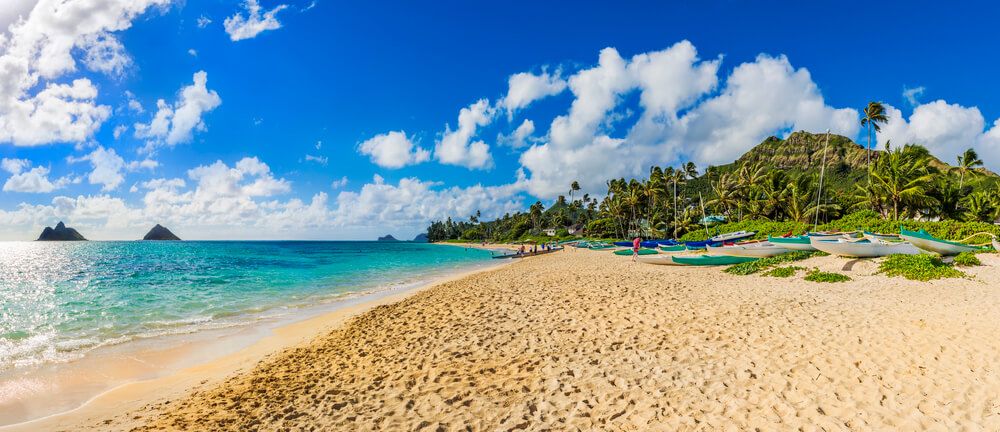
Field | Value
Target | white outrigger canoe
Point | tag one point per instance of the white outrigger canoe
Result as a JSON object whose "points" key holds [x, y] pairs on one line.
{"points": [[864, 248], [657, 260], [756, 250], [927, 242]]}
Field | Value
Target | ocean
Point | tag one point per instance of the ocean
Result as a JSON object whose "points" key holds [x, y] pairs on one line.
{"points": [[59, 300]]}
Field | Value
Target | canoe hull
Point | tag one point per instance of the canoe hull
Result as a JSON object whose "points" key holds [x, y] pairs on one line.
{"points": [[757, 250], [925, 241], [628, 252], [797, 243], [673, 249], [864, 248], [657, 260], [710, 260]]}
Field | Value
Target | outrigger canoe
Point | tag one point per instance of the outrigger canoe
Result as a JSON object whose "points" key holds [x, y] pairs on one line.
{"points": [[673, 248], [626, 252], [883, 237], [720, 239], [864, 248], [927, 242], [799, 243], [600, 246], [756, 250], [710, 260]]}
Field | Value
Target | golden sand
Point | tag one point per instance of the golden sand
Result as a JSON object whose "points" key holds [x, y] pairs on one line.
{"points": [[584, 340]]}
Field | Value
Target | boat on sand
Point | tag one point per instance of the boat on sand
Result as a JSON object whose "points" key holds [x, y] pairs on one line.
{"points": [[627, 252], [864, 248], [757, 249], [927, 242], [799, 243], [710, 260]]}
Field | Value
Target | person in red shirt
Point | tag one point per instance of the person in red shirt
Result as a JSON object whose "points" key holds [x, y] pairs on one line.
{"points": [[635, 247]]}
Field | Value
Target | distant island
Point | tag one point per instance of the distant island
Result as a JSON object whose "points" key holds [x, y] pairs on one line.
{"points": [[159, 232], [60, 233], [387, 238], [420, 238]]}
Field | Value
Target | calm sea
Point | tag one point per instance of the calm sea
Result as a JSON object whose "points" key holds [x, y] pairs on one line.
{"points": [[60, 300]]}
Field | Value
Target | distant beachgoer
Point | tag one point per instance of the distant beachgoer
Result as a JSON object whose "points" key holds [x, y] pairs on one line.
{"points": [[635, 247]]}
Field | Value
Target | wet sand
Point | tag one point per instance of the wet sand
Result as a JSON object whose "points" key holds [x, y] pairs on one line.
{"points": [[588, 340]]}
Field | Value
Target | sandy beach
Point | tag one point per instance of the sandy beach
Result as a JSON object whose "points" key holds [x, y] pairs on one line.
{"points": [[584, 340]]}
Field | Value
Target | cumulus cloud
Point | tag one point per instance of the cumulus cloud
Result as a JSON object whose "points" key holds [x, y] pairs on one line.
{"points": [[104, 53], [524, 88], [106, 166], [683, 116], [456, 146], [519, 138], [36, 108], [393, 150], [203, 21], [240, 27], [176, 123], [33, 180], [945, 129]]}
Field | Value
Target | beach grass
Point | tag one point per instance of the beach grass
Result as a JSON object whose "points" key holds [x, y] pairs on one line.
{"points": [[752, 267], [967, 259], [821, 276], [920, 267], [783, 272]]}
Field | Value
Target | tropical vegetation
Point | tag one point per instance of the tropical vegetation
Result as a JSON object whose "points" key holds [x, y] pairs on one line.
{"points": [[773, 189]]}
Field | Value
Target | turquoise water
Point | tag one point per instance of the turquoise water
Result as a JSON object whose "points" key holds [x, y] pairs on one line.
{"points": [[60, 300]]}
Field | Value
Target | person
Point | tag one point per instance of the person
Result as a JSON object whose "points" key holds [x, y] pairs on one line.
{"points": [[521, 251], [635, 247]]}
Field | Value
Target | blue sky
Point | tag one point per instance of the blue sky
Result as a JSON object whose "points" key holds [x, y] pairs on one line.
{"points": [[301, 119]]}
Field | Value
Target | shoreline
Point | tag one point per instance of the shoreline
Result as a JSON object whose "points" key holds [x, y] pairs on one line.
{"points": [[220, 356]]}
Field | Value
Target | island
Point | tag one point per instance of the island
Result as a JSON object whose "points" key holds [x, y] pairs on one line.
{"points": [[387, 238], [420, 238], [159, 232], [60, 233]]}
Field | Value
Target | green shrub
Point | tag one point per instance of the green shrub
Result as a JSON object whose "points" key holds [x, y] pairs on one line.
{"points": [[818, 276], [765, 263], [920, 267], [967, 259], [782, 272]]}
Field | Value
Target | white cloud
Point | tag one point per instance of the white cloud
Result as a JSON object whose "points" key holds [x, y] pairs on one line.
{"points": [[133, 104], [322, 160], [175, 124], [37, 51], [119, 130], [681, 118], [339, 183], [148, 164], [456, 146], [204, 21], [912, 95], [524, 88], [945, 129], [308, 7], [23, 179], [105, 54], [520, 137], [393, 150], [319, 144], [192, 52], [242, 27], [106, 166]]}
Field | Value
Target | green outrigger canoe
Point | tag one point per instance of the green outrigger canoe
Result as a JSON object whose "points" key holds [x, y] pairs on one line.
{"points": [[675, 248], [710, 260], [923, 240], [601, 246], [626, 252]]}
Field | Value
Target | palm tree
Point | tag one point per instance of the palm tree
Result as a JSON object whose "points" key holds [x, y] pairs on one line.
{"points": [[573, 187], [873, 119], [979, 207], [966, 162], [690, 170], [901, 177], [725, 191], [948, 197]]}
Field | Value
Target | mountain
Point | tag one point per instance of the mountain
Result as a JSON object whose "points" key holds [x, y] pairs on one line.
{"points": [[802, 153], [420, 238], [387, 238], [160, 233], [60, 233]]}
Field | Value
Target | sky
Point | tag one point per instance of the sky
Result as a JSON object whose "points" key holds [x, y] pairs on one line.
{"points": [[302, 119]]}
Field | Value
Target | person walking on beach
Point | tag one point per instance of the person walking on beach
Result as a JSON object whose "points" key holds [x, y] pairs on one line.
{"points": [[635, 247]]}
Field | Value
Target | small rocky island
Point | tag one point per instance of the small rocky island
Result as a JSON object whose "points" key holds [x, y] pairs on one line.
{"points": [[387, 238], [60, 233], [160, 233], [420, 238]]}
